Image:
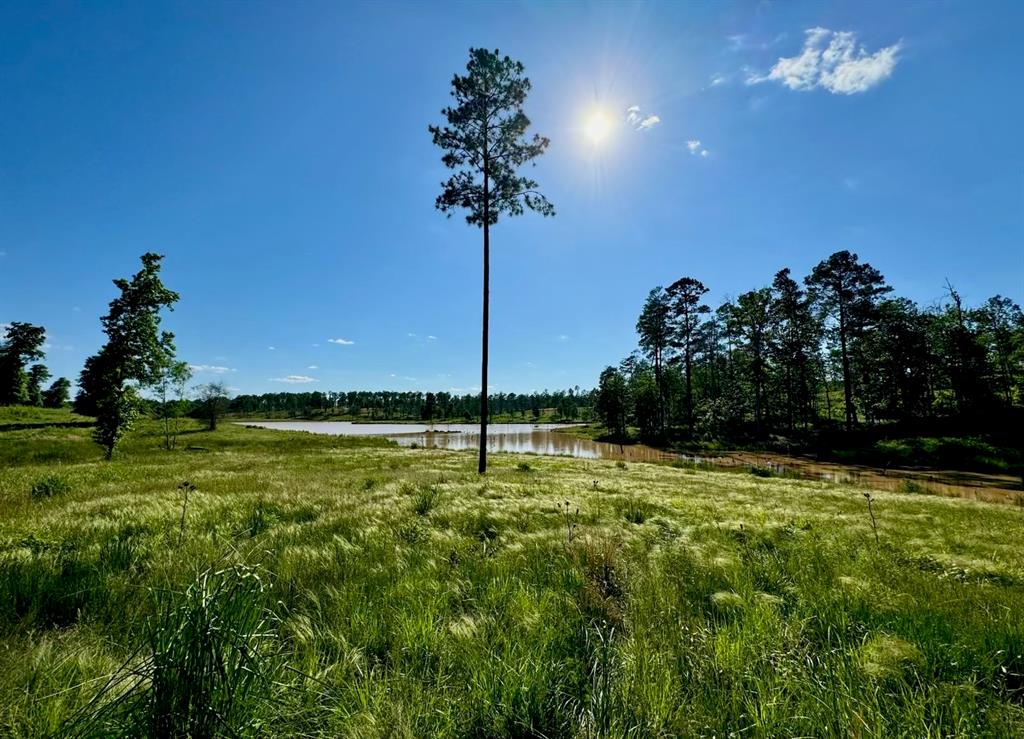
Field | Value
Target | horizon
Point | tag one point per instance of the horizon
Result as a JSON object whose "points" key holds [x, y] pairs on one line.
{"points": [[279, 159]]}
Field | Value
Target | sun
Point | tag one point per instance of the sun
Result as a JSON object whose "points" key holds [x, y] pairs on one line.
{"points": [[597, 127]]}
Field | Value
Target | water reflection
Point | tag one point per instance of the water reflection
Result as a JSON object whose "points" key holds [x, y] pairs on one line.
{"points": [[520, 438]]}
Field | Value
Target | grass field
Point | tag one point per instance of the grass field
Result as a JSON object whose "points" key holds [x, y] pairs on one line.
{"points": [[331, 586]]}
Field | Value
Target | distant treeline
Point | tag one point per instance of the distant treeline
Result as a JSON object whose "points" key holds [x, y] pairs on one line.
{"points": [[571, 404], [838, 351]]}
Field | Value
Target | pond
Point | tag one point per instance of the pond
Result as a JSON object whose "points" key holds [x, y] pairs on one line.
{"points": [[520, 438], [544, 438]]}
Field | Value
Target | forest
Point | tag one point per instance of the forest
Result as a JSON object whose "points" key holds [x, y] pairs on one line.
{"points": [[838, 355]]}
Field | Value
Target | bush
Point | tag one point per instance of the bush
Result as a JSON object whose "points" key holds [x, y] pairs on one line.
{"points": [[50, 486]]}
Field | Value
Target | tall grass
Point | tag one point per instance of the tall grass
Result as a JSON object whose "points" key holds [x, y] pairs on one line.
{"points": [[324, 587]]}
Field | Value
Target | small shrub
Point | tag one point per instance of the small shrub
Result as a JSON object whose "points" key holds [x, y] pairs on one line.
{"points": [[523, 467], [620, 464], [758, 471], [50, 486]]}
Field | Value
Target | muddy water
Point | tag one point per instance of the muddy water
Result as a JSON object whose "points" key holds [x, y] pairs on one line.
{"points": [[526, 438], [521, 438]]}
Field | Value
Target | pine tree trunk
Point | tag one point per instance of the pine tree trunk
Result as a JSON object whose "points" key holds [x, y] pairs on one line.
{"points": [[482, 466]]}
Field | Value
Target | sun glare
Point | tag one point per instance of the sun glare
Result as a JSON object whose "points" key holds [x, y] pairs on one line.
{"points": [[597, 127]]}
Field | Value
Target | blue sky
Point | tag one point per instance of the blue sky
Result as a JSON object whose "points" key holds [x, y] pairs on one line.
{"points": [[277, 154]]}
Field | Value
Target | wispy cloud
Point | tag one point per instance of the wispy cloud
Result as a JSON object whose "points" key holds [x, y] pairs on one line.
{"points": [[215, 369], [563, 337], [341, 342], [719, 78], [431, 337], [293, 379], [312, 367], [834, 61], [641, 121], [271, 348]]}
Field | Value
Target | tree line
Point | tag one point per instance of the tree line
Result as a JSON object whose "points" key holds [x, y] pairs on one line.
{"points": [[572, 404], [837, 351]]}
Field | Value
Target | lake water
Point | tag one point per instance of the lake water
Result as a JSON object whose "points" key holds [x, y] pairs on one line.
{"points": [[528, 438], [521, 438]]}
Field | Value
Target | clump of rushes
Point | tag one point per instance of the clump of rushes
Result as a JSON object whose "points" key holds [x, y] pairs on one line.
{"points": [[49, 486], [425, 499], [212, 664]]}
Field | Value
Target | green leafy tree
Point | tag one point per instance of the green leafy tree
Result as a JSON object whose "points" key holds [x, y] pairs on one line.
{"points": [[749, 320], [796, 340], [896, 365], [1000, 324], [654, 327], [485, 143], [846, 290], [966, 358], [134, 355], [170, 392], [37, 375], [213, 399], [612, 405], [58, 393], [684, 296], [22, 343]]}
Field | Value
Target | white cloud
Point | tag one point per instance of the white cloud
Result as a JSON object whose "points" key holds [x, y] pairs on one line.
{"points": [[312, 367], [293, 379], [719, 79], [212, 368], [563, 337], [341, 342], [639, 121], [695, 148], [832, 60], [431, 338], [271, 348], [648, 122]]}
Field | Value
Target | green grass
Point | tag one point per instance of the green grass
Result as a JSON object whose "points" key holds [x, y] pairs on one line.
{"points": [[324, 586]]}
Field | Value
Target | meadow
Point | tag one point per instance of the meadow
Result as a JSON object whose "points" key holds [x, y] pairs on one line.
{"points": [[263, 583]]}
